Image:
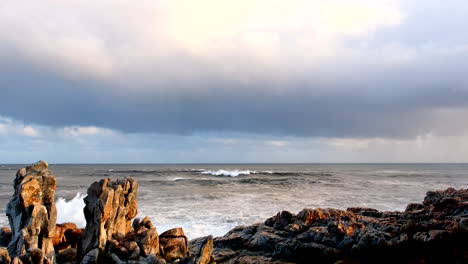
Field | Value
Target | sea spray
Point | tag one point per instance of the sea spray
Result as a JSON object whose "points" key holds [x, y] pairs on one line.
{"points": [[72, 210]]}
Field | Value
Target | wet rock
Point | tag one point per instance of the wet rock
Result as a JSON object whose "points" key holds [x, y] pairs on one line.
{"points": [[173, 244], [32, 213]]}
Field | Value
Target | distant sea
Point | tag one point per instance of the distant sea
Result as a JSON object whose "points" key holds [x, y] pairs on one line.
{"points": [[213, 198]]}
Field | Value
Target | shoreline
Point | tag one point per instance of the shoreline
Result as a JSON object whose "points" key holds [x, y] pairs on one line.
{"points": [[422, 231]]}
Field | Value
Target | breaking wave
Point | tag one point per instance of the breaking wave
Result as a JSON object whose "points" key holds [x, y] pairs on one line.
{"points": [[231, 173], [72, 210]]}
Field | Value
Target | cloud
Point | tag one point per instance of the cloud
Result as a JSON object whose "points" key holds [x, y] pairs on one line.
{"points": [[76, 131], [334, 69], [99, 145], [29, 131]]}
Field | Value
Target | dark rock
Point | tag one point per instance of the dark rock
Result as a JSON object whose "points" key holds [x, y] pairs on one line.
{"points": [[414, 207], [433, 232], [365, 211], [5, 236], [155, 259], [67, 256]]}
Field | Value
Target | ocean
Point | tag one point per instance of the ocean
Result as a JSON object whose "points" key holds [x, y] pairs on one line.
{"points": [[214, 198]]}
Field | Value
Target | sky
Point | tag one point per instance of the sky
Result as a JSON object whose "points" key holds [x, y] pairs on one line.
{"points": [[222, 81]]}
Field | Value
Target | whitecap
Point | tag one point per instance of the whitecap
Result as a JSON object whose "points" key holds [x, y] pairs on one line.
{"points": [[231, 173]]}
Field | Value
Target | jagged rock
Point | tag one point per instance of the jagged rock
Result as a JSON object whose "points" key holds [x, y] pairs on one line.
{"points": [[62, 238], [433, 232], [173, 244], [5, 236], [4, 256], [32, 213], [146, 236], [201, 251], [66, 256], [110, 207]]}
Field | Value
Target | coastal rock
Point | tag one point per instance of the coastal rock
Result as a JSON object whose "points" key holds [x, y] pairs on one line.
{"points": [[66, 235], [174, 244], [5, 236], [146, 237], [110, 207], [32, 213], [201, 251], [66, 256], [4, 256], [432, 232]]}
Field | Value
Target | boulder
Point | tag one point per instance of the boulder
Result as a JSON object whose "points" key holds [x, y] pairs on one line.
{"points": [[146, 237], [32, 213], [173, 244]]}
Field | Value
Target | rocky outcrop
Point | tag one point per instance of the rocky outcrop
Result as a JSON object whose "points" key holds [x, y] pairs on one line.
{"points": [[435, 231], [110, 208], [32, 213], [110, 235]]}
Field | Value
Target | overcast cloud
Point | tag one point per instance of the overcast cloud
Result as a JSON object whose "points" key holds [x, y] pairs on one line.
{"points": [[237, 81]]}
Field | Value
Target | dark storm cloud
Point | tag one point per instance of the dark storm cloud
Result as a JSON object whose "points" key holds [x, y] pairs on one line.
{"points": [[383, 105], [366, 94]]}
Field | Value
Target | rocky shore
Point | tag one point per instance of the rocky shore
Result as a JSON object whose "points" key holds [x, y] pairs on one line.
{"points": [[435, 231]]}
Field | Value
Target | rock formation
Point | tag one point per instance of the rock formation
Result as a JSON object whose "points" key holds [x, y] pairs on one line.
{"points": [[111, 236], [435, 231], [32, 213], [110, 208]]}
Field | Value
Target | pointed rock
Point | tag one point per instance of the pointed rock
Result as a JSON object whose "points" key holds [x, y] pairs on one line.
{"points": [[31, 211]]}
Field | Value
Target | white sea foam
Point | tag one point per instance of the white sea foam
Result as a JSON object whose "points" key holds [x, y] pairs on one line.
{"points": [[178, 178], [71, 211], [231, 173]]}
